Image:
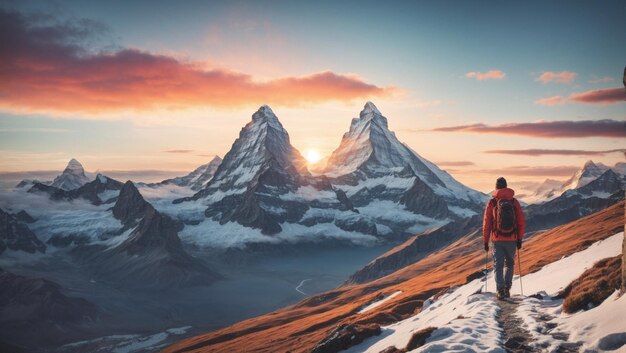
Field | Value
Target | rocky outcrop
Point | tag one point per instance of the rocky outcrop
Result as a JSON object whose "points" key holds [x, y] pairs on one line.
{"points": [[152, 255], [15, 234], [421, 199], [346, 336]]}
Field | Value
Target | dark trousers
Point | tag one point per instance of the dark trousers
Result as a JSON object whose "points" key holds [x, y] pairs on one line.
{"points": [[504, 256]]}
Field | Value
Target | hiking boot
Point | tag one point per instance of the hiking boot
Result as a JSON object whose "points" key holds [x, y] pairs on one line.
{"points": [[507, 293], [500, 294]]}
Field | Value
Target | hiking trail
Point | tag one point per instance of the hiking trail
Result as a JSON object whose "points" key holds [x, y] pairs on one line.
{"points": [[517, 339]]}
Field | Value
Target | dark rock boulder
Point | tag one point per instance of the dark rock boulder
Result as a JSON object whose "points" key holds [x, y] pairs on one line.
{"points": [[346, 336]]}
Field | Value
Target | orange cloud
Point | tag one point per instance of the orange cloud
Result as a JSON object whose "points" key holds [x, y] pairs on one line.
{"points": [[43, 69], [557, 77], [489, 75], [550, 100], [598, 96]]}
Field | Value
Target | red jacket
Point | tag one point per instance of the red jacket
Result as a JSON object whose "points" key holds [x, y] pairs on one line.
{"points": [[488, 230]]}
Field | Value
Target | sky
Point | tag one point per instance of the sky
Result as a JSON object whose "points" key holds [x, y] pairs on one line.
{"points": [[527, 90]]}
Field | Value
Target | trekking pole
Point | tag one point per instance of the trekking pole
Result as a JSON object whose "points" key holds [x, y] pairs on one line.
{"points": [[486, 271], [519, 266]]}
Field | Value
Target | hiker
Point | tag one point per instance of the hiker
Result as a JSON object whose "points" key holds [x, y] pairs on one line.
{"points": [[504, 224]]}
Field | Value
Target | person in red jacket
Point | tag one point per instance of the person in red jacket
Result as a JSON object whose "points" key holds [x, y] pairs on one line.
{"points": [[504, 224]]}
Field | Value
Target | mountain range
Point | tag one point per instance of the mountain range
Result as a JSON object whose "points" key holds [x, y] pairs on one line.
{"points": [[373, 183]]}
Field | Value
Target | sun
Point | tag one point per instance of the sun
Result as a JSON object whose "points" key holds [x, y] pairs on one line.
{"points": [[312, 156]]}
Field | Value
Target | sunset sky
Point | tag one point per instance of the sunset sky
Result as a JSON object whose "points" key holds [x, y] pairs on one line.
{"points": [[529, 90]]}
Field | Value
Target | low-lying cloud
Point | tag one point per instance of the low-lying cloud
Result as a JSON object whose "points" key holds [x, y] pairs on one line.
{"points": [[46, 67], [548, 129]]}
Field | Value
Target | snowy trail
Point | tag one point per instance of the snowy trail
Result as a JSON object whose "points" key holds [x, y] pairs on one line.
{"points": [[516, 338], [301, 284]]}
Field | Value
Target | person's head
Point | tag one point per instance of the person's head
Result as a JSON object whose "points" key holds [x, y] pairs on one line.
{"points": [[500, 183]]}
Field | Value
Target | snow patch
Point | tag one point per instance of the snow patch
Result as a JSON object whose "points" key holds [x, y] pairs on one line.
{"points": [[380, 302]]}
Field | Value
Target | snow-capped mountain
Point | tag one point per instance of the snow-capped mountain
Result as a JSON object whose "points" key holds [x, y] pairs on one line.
{"points": [[198, 178], [371, 163], [263, 145], [590, 171], [572, 204], [72, 177]]}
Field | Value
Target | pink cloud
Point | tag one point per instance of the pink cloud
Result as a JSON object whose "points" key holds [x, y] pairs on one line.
{"points": [[599, 96], [489, 75], [42, 68], [557, 77], [550, 100]]}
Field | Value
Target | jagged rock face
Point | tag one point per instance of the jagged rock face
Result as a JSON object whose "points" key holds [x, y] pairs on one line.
{"points": [[72, 177], [422, 200], [576, 203], [152, 255], [16, 235], [130, 206], [28, 304], [101, 190], [416, 248], [197, 179]]}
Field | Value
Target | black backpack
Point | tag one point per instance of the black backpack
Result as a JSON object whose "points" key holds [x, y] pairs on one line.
{"points": [[504, 216]]}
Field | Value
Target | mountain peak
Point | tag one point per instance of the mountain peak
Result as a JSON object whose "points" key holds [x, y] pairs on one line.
{"points": [[589, 164], [74, 165], [130, 205], [371, 113], [73, 176], [265, 114], [370, 107]]}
